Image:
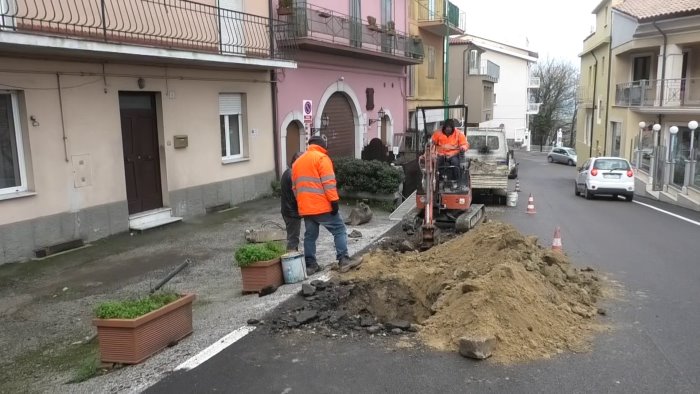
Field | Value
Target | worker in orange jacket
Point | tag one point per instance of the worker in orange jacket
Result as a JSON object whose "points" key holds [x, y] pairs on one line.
{"points": [[450, 143], [314, 185]]}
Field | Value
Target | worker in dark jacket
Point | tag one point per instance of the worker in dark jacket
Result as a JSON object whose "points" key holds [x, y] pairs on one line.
{"points": [[290, 212]]}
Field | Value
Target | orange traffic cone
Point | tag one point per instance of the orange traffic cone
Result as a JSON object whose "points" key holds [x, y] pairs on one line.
{"points": [[556, 242], [517, 185], [531, 205]]}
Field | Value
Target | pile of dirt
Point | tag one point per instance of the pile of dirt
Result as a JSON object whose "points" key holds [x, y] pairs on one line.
{"points": [[492, 281], [482, 167]]}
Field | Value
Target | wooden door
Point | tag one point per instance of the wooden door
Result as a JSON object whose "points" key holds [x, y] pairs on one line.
{"points": [[293, 139], [340, 132], [141, 153]]}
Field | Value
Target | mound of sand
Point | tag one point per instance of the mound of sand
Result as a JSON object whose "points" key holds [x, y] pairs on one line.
{"points": [[491, 281]]}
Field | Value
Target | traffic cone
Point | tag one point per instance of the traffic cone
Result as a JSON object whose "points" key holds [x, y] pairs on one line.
{"points": [[517, 185], [531, 205], [556, 242]]}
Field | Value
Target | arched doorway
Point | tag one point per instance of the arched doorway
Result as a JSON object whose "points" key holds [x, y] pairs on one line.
{"points": [[293, 140], [340, 132]]}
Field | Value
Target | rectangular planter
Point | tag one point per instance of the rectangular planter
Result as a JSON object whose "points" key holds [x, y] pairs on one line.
{"points": [[131, 341], [262, 274]]}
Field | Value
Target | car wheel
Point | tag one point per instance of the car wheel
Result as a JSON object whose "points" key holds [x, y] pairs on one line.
{"points": [[513, 174], [576, 191], [629, 197], [549, 158], [570, 162], [587, 193]]}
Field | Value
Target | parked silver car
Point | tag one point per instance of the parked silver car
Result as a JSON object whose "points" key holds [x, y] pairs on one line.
{"points": [[562, 155]]}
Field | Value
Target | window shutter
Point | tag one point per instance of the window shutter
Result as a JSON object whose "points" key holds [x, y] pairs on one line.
{"points": [[230, 104]]}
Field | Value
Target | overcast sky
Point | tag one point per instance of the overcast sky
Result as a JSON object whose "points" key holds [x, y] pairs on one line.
{"points": [[554, 28]]}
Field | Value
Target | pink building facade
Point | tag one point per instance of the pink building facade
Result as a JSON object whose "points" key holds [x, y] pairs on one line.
{"points": [[352, 58]]}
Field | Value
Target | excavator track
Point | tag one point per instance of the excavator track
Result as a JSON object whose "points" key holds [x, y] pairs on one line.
{"points": [[471, 218]]}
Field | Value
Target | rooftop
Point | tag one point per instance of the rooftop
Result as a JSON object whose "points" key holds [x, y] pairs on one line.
{"points": [[647, 10]]}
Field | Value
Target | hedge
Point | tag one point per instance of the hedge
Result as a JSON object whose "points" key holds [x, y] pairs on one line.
{"points": [[355, 175]]}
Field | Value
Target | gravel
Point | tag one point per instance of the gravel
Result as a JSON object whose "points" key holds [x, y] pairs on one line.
{"points": [[33, 319]]}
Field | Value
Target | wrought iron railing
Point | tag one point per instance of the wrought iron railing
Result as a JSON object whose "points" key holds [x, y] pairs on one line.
{"points": [[533, 108], [430, 12], [682, 92], [534, 83], [176, 24], [326, 25]]}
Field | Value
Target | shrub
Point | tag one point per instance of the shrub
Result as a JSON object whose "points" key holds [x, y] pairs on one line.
{"points": [[354, 175], [252, 253], [130, 309]]}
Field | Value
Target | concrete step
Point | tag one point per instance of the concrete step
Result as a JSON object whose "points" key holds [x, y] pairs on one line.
{"points": [[669, 196], [153, 218], [154, 223], [689, 201], [404, 208]]}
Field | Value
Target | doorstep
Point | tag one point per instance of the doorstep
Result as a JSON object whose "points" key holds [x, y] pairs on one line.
{"points": [[147, 220]]}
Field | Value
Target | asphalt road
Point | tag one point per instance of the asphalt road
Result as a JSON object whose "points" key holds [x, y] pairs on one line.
{"points": [[653, 346]]}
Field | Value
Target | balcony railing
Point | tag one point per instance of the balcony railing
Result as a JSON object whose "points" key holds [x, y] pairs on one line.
{"points": [[173, 24], [488, 69], [683, 92], [533, 108], [433, 11], [308, 21], [534, 83], [584, 94]]}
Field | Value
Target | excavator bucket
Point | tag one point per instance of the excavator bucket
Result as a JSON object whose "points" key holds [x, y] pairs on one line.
{"points": [[469, 219]]}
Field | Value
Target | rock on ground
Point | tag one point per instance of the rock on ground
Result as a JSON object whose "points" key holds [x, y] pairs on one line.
{"points": [[477, 347]]}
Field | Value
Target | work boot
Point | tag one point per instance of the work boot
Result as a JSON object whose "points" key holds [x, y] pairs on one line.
{"points": [[312, 269], [345, 264]]}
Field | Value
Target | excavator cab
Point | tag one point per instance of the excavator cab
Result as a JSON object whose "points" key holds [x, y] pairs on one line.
{"points": [[443, 196]]}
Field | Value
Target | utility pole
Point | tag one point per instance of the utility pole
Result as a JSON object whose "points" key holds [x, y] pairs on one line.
{"points": [[446, 58]]}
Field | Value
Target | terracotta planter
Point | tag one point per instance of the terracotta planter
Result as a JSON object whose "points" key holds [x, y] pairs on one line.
{"points": [[262, 274], [130, 341]]}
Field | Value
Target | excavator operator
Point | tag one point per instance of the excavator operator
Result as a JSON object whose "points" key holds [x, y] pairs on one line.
{"points": [[450, 142]]}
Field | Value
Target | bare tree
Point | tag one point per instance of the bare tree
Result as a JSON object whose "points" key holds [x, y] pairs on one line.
{"points": [[557, 95]]}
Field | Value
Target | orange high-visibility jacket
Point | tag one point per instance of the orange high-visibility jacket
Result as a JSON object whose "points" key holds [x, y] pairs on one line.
{"points": [[313, 182], [457, 139]]}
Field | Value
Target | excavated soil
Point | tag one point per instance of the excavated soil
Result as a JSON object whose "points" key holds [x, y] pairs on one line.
{"points": [[492, 281]]}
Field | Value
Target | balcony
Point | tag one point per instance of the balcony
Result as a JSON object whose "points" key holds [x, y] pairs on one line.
{"points": [[533, 83], [172, 26], [487, 69], [533, 108], [584, 95], [671, 94], [324, 30], [431, 17]]}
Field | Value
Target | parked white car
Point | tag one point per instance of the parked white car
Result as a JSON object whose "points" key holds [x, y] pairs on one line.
{"points": [[605, 175]]}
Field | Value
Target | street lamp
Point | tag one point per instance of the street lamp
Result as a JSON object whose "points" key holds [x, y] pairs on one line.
{"points": [[653, 162], [380, 116], [690, 166], [642, 125], [671, 160]]}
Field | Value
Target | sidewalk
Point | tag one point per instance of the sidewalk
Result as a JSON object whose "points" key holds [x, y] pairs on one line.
{"points": [[46, 306]]}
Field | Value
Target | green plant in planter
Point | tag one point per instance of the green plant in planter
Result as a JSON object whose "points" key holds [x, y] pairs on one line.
{"points": [[252, 253], [133, 308]]}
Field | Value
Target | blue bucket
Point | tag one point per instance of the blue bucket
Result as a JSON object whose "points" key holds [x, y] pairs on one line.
{"points": [[293, 267]]}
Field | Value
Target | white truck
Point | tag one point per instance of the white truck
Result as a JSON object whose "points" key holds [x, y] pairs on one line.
{"points": [[491, 162]]}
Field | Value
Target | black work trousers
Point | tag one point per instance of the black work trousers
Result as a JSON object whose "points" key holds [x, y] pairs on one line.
{"points": [[452, 162]]}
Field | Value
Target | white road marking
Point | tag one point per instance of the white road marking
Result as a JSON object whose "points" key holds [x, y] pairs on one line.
{"points": [[215, 348], [223, 343], [669, 213]]}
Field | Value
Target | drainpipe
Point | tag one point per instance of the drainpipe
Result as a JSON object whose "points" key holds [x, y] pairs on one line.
{"points": [[607, 99], [464, 70], [663, 65], [595, 85], [273, 91]]}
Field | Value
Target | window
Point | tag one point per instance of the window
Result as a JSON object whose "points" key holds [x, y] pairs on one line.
{"points": [[231, 123], [431, 62], [411, 81], [473, 62], [483, 143], [602, 69], [589, 126], [642, 68], [13, 178]]}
